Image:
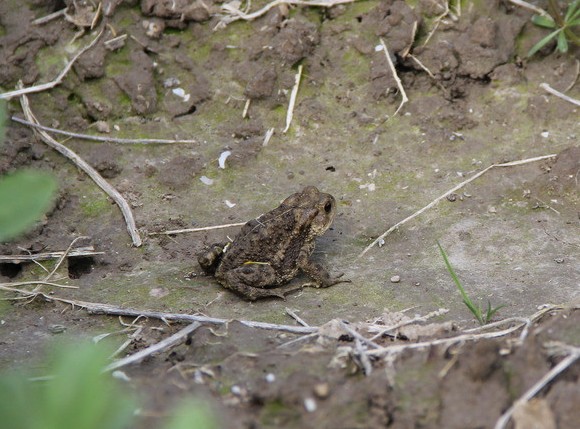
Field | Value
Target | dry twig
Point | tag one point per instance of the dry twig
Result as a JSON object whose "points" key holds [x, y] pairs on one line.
{"points": [[531, 7], [90, 171], [98, 138], [573, 356], [13, 287], [205, 228], [98, 308], [235, 14], [452, 190], [292, 102], [396, 77], [388, 329], [57, 81], [294, 316], [558, 94], [50, 17], [79, 251], [167, 343], [62, 258]]}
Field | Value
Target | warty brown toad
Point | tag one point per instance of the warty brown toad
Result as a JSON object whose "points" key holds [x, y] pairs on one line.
{"points": [[270, 250]]}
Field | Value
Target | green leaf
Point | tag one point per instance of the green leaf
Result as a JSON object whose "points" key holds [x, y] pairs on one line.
{"points": [[543, 21], [562, 42], [77, 395], [543, 42], [24, 197], [573, 11]]}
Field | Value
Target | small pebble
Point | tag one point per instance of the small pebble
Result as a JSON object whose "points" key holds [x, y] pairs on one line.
{"points": [[559, 260], [120, 375], [103, 127], [452, 197], [322, 390], [171, 82], [236, 390], [310, 405], [270, 378], [492, 209], [395, 279], [206, 180]]}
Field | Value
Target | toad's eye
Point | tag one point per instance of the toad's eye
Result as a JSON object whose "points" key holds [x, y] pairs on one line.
{"points": [[328, 207]]}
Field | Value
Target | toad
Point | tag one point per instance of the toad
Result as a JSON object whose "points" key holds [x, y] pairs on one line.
{"points": [[270, 250]]}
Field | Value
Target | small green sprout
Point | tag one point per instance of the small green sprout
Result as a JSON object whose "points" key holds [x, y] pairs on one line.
{"points": [[482, 318], [562, 26]]}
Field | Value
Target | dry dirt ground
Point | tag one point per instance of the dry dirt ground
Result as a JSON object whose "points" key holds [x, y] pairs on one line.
{"points": [[187, 70]]}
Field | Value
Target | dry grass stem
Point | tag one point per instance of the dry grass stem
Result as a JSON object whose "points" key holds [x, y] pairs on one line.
{"points": [[246, 107], [90, 171], [388, 329], [13, 287], [98, 138], [436, 22], [431, 75], [165, 344], [56, 81], [359, 337], [234, 14], [558, 94], [205, 228], [292, 102], [79, 251], [573, 355], [268, 136], [113, 310], [61, 259], [405, 52], [530, 7], [294, 316], [362, 357], [50, 17], [452, 190], [396, 77], [398, 348]]}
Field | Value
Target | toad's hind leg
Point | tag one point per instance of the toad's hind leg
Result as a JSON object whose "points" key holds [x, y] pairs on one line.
{"points": [[251, 281]]}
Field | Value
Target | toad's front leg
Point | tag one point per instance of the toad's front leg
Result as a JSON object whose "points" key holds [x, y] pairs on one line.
{"points": [[320, 275]]}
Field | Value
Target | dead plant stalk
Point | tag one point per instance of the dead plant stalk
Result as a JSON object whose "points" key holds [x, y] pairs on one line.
{"points": [[396, 77], [452, 190], [90, 171], [56, 81]]}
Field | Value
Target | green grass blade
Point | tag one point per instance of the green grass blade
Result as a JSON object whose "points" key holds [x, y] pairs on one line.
{"points": [[562, 42], [543, 21], [573, 11], [469, 304], [491, 311], [453, 275], [543, 42]]}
